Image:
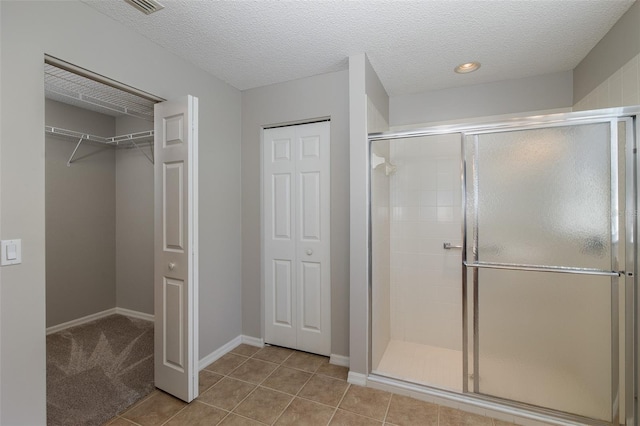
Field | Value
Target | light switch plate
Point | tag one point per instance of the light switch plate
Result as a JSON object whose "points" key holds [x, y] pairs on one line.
{"points": [[11, 252]]}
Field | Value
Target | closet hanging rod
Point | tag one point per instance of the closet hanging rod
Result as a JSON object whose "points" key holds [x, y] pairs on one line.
{"points": [[125, 141], [117, 140], [56, 131], [114, 140]]}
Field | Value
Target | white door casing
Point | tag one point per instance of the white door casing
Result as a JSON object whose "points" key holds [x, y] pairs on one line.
{"points": [[296, 244], [176, 256]]}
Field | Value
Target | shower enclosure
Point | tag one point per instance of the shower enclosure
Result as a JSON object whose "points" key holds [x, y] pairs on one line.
{"points": [[503, 264]]}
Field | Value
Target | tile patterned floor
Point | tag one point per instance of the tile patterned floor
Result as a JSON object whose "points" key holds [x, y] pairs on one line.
{"points": [[278, 386]]}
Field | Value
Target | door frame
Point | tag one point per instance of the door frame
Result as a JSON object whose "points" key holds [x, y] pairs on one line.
{"points": [[193, 265], [632, 325]]}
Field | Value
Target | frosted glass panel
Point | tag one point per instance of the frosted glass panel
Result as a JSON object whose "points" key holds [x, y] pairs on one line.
{"points": [[545, 339], [542, 197]]}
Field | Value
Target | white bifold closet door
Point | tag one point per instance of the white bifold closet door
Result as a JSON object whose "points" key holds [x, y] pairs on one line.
{"points": [[176, 247], [296, 228]]}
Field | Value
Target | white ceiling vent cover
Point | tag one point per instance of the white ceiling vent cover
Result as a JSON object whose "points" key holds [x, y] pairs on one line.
{"points": [[146, 6]]}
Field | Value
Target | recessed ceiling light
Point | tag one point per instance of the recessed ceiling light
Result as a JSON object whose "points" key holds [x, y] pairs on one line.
{"points": [[467, 67]]}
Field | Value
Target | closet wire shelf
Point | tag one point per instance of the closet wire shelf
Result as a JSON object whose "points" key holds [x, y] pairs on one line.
{"points": [[131, 140]]}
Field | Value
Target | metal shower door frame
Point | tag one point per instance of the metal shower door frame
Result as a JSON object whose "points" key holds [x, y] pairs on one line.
{"points": [[475, 265], [629, 117]]}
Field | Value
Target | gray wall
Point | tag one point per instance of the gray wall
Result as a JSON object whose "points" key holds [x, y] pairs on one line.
{"points": [[365, 92], [99, 219], [134, 222], [80, 217], [296, 101], [615, 49], [536, 93], [77, 33]]}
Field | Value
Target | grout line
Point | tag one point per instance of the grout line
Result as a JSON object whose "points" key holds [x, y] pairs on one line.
{"points": [[240, 415], [340, 402], [386, 412], [258, 385], [304, 384], [285, 409], [223, 418], [175, 414], [136, 404], [316, 402], [297, 393], [292, 396], [125, 419], [275, 390]]}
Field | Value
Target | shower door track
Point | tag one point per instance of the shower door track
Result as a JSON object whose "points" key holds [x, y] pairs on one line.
{"points": [[627, 116]]}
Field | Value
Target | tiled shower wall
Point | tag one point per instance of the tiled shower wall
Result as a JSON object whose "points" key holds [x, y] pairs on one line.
{"points": [[621, 89], [426, 198], [380, 256]]}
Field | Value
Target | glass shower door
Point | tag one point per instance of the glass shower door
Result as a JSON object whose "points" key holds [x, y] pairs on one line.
{"points": [[542, 243]]}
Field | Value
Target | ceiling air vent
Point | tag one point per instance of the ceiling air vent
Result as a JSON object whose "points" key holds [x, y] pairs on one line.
{"points": [[146, 6]]}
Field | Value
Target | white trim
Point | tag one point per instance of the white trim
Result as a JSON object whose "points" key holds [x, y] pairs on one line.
{"points": [[252, 341], [213, 356], [98, 315], [135, 314], [228, 347], [340, 360], [357, 378], [80, 321]]}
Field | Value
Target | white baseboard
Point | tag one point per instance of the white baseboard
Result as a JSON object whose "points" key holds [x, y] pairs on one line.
{"points": [[135, 314], [98, 315], [80, 321], [340, 360], [213, 356], [228, 347], [357, 378], [253, 341]]}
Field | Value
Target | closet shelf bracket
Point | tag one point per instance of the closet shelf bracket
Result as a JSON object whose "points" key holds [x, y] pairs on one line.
{"points": [[71, 160], [131, 138], [144, 153]]}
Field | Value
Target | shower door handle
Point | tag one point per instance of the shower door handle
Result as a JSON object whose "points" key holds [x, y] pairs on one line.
{"points": [[448, 246]]}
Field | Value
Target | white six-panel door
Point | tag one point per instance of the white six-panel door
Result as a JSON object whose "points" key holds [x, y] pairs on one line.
{"points": [[176, 259], [296, 228]]}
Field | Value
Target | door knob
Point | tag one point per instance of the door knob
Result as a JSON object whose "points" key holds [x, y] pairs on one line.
{"points": [[172, 266], [309, 252]]}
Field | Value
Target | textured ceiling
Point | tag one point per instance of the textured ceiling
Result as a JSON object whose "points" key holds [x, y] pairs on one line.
{"points": [[413, 45]]}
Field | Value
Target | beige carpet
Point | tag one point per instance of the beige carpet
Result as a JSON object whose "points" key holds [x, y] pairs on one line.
{"points": [[98, 369]]}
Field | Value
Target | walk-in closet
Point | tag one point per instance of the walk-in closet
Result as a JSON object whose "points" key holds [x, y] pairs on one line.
{"points": [[99, 245]]}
